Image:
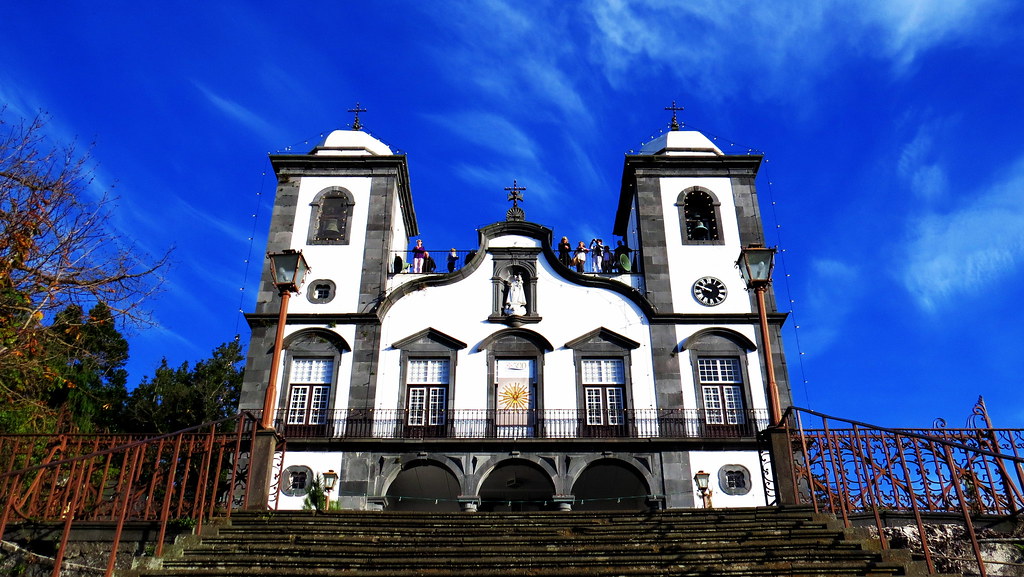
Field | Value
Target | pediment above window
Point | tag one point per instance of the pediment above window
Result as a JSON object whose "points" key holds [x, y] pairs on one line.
{"points": [[510, 337], [314, 340], [429, 337], [602, 336], [717, 338]]}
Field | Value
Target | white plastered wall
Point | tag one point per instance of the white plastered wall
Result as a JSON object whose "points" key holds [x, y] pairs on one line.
{"points": [[335, 261], [687, 263], [568, 311], [755, 375], [712, 461], [318, 461]]}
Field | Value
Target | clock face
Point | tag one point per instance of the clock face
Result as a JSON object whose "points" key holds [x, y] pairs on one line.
{"points": [[709, 291]]}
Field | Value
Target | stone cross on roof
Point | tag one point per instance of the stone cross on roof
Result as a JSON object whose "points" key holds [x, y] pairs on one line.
{"points": [[516, 196], [356, 125], [675, 123]]}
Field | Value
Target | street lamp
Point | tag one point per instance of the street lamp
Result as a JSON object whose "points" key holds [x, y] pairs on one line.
{"points": [[330, 479], [756, 263], [702, 478], [287, 270]]}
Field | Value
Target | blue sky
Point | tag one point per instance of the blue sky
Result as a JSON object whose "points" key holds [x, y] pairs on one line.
{"points": [[893, 181]]}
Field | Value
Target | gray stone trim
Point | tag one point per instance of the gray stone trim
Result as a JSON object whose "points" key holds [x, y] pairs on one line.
{"points": [[311, 288], [373, 280], [369, 166], [257, 366], [723, 481], [602, 334], [316, 213], [716, 206], [703, 335], [721, 344], [674, 166], [603, 344], [428, 344], [536, 340], [515, 343], [667, 379], [426, 337], [653, 246]]}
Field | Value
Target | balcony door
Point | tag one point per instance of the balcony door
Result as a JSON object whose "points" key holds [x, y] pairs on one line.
{"points": [[516, 398]]}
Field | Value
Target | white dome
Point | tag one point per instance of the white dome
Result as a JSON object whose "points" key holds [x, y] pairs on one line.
{"points": [[351, 143], [681, 143]]}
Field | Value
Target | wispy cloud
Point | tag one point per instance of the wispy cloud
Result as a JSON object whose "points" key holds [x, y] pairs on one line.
{"points": [[956, 251], [832, 290], [239, 113], [909, 27], [775, 48], [927, 179], [491, 132]]}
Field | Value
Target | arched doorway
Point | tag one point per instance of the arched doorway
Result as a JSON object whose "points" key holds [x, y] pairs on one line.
{"points": [[517, 485], [610, 486], [423, 486]]}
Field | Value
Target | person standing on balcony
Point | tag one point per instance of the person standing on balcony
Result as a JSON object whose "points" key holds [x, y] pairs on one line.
{"points": [[596, 254], [453, 259], [418, 254], [579, 258], [564, 248]]}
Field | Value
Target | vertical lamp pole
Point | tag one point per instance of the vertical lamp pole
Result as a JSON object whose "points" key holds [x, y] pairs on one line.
{"points": [[287, 269], [756, 263]]}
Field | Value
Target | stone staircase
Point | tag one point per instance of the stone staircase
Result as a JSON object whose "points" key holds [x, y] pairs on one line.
{"points": [[728, 542]]}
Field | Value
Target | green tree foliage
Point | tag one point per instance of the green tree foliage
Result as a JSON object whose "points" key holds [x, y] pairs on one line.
{"points": [[175, 399], [89, 363], [57, 251]]}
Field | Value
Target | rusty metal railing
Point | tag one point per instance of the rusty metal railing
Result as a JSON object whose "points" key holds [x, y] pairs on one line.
{"points": [[848, 467], [188, 475]]}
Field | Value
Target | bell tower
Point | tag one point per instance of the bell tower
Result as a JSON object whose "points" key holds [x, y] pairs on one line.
{"points": [[687, 209], [347, 206]]}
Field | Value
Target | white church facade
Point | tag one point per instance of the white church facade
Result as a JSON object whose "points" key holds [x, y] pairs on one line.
{"points": [[500, 377]]}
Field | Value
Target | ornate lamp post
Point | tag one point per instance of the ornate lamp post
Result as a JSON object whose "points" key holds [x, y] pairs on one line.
{"points": [[756, 263], [701, 479], [330, 480], [287, 269]]}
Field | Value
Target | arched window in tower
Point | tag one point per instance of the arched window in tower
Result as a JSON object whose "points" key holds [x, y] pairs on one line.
{"points": [[699, 217], [331, 216]]}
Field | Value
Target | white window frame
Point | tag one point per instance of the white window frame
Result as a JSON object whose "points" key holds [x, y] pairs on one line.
{"points": [[310, 387], [604, 383], [427, 383], [721, 382]]}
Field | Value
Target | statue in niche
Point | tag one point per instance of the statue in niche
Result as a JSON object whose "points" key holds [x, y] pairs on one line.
{"points": [[515, 298]]}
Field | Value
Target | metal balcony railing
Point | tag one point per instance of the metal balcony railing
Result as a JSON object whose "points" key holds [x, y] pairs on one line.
{"points": [[522, 424], [438, 262]]}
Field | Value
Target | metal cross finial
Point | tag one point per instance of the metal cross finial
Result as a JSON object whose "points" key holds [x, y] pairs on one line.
{"points": [[675, 123], [356, 125], [515, 193]]}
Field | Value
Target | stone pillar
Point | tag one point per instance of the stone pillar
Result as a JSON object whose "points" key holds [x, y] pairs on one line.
{"points": [[781, 450], [261, 469], [564, 502], [469, 503]]}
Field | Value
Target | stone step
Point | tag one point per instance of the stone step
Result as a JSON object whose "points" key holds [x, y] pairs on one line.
{"points": [[752, 542], [402, 541], [644, 569]]}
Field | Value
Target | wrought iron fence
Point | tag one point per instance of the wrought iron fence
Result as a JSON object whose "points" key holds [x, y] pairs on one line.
{"points": [[436, 262], [847, 467], [190, 474], [522, 424]]}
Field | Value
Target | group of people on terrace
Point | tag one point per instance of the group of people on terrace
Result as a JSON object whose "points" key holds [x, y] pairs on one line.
{"points": [[603, 259]]}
